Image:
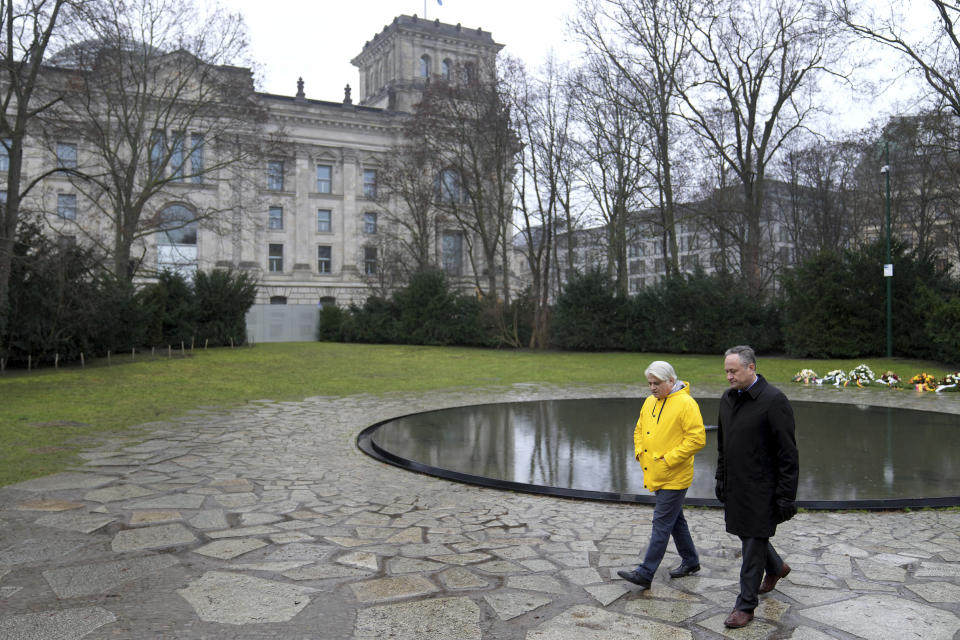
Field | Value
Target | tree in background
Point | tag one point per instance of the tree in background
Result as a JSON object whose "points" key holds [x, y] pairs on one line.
{"points": [[27, 30], [758, 63], [150, 90]]}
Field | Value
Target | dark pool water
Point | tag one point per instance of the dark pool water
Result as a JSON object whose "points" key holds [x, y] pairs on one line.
{"points": [[847, 452]]}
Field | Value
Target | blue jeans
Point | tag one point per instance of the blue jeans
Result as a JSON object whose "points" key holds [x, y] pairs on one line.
{"points": [[668, 521]]}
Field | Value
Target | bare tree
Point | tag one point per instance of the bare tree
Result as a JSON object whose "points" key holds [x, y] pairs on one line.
{"points": [[410, 188], [648, 42], [466, 124], [819, 208], [614, 144], [27, 30], [759, 62], [544, 184], [152, 93]]}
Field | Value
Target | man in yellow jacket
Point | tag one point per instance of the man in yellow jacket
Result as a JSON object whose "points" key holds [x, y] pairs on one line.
{"points": [[668, 433]]}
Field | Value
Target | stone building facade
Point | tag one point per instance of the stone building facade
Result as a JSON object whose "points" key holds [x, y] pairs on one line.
{"points": [[307, 215]]}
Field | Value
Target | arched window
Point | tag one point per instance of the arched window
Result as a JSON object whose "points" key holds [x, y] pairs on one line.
{"points": [[177, 240], [178, 225], [446, 69], [448, 186], [424, 66], [469, 73]]}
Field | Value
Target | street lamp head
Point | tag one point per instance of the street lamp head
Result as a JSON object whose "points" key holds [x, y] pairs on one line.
{"points": [[885, 168]]}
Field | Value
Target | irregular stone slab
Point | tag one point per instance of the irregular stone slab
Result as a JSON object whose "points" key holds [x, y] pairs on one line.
{"points": [[47, 504], [7, 592], [230, 598], [227, 549], [250, 519], [412, 565], [546, 584], [806, 633], [62, 481], [209, 519], [360, 559], [848, 550], [325, 572], [500, 567], [606, 594], [413, 535], [274, 567], [516, 553], [85, 580], [290, 536], [509, 605], [936, 591], [880, 571], [809, 595], [460, 578], [67, 624], [173, 501], [938, 570], [587, 575], [591, 623], [150, 446], [42, 550], [440, 619], [234, 500], [392, 588], [461, 558], [879, 617], [538, 565], [75, 521], [233, 485], [154, 517], [118, 492], [756, 630], [572, 560], [669, 610], [301, 551], [241, 532], [159, 537]]}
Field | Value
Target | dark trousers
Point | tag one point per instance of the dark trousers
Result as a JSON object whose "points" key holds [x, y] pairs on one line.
{"points": [[668, 521], [759, 556]]}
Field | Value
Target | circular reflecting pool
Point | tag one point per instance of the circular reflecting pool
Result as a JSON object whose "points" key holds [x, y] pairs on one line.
{"points": [[850, 456]]}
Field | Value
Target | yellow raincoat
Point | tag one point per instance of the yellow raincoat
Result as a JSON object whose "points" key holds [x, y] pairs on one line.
{"points": [[671, 428]]}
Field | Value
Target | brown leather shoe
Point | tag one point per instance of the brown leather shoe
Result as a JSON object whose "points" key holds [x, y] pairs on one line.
{"points": [[770, 580], [738, 619]]}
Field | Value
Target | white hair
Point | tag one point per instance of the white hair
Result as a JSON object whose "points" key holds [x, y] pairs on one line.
{"points": [[661, 370]]}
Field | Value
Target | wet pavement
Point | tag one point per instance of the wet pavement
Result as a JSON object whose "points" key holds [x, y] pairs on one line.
{"points": [[266, 521]]}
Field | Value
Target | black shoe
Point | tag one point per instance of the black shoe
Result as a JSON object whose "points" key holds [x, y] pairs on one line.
{"points": [[684, 570], [635, 577]]}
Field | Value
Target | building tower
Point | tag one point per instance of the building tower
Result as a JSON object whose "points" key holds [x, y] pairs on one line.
{"points": [[410, 52]]}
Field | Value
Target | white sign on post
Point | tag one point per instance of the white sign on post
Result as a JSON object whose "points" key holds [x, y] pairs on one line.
{"points": [[888, 271]]}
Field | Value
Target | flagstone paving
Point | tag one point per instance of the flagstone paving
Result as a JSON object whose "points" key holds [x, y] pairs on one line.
{"points": [[266, 521]]}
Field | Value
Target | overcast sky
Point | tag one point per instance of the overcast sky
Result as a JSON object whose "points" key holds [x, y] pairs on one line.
{"points": [[316, 40]]}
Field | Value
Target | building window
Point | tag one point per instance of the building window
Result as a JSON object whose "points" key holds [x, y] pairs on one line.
{"points": [[370, 183], [278, 299], [5, 154], [67, 206], [324, 173], [370, 260], [424, 66], [158, 143], [275, 218], [324, 259], [324, 221], [275, 258], [196, 158], [66, 155], [275, 175], [177, 158], [452, 248], [469, 73], [445, 69], [328, 301], [177, 240], [370, 222], [449, 186]]}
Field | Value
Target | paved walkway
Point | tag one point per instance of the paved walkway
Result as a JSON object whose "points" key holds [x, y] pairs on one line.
{"points": [[267, 522]]}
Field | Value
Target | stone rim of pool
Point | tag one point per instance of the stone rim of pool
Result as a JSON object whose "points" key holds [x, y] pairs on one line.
{"points": [[365, 443]]}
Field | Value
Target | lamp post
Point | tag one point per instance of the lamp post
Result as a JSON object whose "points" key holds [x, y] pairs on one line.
{"points": [[888, 265]]}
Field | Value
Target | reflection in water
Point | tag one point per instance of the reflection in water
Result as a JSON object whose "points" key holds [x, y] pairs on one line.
{"points": [[846, 452]]}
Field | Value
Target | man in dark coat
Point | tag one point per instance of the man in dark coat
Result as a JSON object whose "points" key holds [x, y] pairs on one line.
{"points": [[757, 470]]}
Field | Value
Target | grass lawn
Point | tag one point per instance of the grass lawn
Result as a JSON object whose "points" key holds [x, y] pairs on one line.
{"points": [[45, 414]]}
